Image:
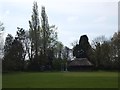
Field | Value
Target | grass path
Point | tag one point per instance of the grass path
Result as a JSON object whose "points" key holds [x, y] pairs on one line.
{"points": [[61, 80]]}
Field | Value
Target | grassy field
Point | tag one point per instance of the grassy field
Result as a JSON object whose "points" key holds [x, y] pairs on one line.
{"points": [[60, 80], [0, 80]]}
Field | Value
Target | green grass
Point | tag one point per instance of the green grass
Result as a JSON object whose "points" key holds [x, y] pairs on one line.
{"points": [[60, 80], [0, 80]]}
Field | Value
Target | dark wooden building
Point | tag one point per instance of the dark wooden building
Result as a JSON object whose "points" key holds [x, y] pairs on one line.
{"points": [[80, 64]]}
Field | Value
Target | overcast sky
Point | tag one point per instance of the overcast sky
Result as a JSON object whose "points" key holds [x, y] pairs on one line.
{"points": [[72, 17]]}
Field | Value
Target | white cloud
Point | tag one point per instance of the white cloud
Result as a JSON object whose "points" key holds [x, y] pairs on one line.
{"points": [[7, 12], [101, 19], [72, 19], [17, 1]]}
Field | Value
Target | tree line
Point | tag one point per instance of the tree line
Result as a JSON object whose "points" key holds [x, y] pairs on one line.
{"points": [[38, 48], [105, 54]]}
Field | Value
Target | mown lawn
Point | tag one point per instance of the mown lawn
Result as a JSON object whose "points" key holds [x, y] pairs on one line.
{"points": [[0, 80], [60, 80]]}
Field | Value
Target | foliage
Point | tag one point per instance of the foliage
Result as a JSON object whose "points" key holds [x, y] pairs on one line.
{"points": [[81, 49], [105, 52], [115, 49], [17, 54], [43, 39], [1, 39], [38, 48], [34, 31], [13, 54], [7, 62], [1, 27]]}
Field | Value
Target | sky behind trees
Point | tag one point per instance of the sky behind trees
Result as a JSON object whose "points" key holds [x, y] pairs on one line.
{"points": [[72, 17]]}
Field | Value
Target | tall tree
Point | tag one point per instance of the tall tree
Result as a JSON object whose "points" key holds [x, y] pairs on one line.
{"points": [[8, 44], [13, 54], [18, 54], [21, 37], [34, 35], [45, 30], [115, 46], [43, 37], [58, 50], [59, 55], [7, 62], [84, 43], [1, 39], [48, 36], [106, 63], [102, 50], [34, 31], [81, 49], [1, 44]]}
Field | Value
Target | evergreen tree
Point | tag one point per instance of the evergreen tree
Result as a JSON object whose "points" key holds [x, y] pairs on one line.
{"points": [[7, 62], [81, 49], [13, 54], [17, 54]]}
